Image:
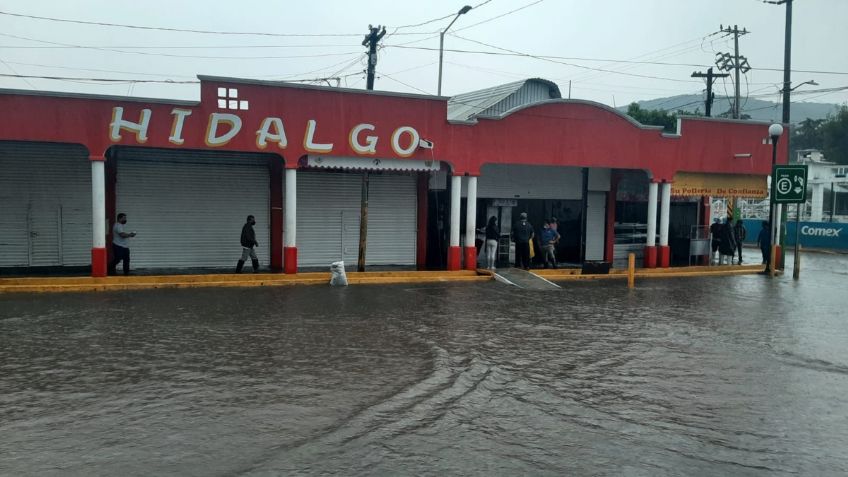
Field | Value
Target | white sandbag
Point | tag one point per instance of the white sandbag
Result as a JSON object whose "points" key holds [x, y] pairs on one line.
{"points": [[338, 277]]}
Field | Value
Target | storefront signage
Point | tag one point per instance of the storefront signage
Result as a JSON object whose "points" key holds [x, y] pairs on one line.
{"points": [[221, 128], [688, 184]]}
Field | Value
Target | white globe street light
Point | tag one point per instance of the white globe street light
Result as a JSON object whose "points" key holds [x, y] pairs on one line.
{"points": [[775, 130]]}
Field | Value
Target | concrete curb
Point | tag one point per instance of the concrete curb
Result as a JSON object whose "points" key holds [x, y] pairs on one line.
{"points": [[120, 283]]}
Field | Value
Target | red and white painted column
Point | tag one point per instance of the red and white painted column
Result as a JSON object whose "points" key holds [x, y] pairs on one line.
{"points": [[290, 227], [664, 251], [99, 256], [454, 251], [471, 224], [650, 258]]}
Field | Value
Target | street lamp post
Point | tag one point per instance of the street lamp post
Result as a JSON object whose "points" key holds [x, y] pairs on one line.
{"points": [[775, 130], [462, 11]]}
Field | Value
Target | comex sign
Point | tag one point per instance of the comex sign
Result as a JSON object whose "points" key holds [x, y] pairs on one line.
{"points": [[826, 235], [821, 232]]}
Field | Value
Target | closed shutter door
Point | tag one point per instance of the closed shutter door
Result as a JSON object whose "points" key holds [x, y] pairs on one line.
{"points": [[507, 181], [596, 225], [188, 207], [327, 218], [45, 205], [392, 220]]}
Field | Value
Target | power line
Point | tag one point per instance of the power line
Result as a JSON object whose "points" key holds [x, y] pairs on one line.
{"points": [[185, 30], [95, 70], [16, 73], [500, 16], [575, 65], [178, 56], [101, 80], [553, 57], [405, 84]]}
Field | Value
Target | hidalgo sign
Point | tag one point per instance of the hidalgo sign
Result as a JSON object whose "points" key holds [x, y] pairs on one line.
{"points": [[221, 128]]}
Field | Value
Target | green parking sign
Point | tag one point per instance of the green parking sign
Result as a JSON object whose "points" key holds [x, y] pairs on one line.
{"points": [[789, 184]]}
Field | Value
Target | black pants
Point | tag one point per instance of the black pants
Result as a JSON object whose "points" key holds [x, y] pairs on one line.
{"points": [[766, 256], [522, 255], [120, 254], [739, 249]]}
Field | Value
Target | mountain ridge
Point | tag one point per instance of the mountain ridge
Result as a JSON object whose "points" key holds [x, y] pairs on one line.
{"points": [[757, 109]]}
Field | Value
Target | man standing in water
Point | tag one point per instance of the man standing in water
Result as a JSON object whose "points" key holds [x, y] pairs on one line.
{"points": [[523, 234], [248, 241], [764, 241]]}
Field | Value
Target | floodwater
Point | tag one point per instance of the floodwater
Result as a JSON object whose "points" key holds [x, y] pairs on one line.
{"points": [[709, 376]]}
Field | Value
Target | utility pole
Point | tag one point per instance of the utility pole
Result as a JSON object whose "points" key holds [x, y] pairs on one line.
{"points": [[787, 83], [710, 76], [371, 40], [737, 62]]}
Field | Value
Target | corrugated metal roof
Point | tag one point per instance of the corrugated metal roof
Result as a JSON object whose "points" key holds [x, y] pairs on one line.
{"points": [[467, 106]]}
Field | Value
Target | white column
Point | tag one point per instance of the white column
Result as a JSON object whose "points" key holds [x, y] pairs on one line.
{"points": [[817, 203], [456, 197], [290, 227], [98, 204], [471, 213], [652, 214], [665, 212]]}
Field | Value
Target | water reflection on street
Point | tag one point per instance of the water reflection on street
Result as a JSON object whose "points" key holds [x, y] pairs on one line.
{"points": [[708, 376]]}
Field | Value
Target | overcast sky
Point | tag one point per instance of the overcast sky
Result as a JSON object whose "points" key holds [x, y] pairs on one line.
{"points": [[581, 33]]}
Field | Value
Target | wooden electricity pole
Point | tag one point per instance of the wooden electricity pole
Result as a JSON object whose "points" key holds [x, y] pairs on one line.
{"points": [[710, 76], [371, 40]]}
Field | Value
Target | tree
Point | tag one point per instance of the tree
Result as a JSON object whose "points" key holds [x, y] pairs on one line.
{"points": [[835, 136], [654, 117], [828, 135], [658, 117]]}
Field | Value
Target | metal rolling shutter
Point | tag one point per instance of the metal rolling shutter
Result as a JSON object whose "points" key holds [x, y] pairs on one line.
{"points": [[392, 220], [595, 225], [45, 205], [188, 207], [327, 218], [507, 181]]}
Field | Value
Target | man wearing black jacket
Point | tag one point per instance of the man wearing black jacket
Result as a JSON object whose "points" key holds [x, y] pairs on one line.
{"points": [[248, 241]]}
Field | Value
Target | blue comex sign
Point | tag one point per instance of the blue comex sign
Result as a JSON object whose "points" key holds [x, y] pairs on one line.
{"points": [[829, 235], [819, 235]]}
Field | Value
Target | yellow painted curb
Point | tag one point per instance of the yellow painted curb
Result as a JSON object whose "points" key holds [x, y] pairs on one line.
{"points": [[698, 271], [142, 282]]}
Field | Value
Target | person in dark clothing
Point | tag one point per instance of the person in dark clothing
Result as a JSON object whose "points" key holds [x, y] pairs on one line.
{"points": [[493, 233], [120, 245], [715, 228], [248, 241], [739, 233], [523, 234], [726, 242], [764, 241]]}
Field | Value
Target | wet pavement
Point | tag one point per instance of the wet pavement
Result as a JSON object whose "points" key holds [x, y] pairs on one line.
{"points": [[736, 375]]}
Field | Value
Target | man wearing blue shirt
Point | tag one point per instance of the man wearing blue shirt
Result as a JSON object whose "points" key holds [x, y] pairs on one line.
{"points": [[550, 237]]}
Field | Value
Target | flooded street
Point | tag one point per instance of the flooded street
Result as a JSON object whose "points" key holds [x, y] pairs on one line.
{"points": [[707, 376]]}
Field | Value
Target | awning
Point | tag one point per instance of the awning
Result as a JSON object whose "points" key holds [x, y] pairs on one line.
{"points": [[372, 164], [689, 184]]}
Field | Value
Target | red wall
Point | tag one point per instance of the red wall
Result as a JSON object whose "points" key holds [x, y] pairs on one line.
{"points": [[574, 133]]}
